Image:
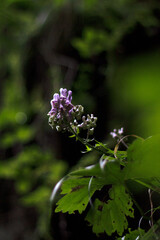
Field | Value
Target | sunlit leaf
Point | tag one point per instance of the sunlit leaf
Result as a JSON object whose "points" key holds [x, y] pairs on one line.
{"points": [[77, 194]]}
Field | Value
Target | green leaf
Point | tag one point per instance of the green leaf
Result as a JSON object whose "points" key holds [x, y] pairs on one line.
{"points": [[152, 183], [113, 172], [102, 146], [153, 233], [111, 216], [110, 172], [99, 216], [78, 194], [72, 136], [144, 158], [92, 170], [133, 235], [88, 149]]}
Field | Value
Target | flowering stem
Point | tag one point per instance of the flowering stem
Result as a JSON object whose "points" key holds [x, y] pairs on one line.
{"points": [[84, 141]]}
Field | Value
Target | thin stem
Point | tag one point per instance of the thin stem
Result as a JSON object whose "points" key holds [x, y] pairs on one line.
{"points": [[121, 139], [117, 145], [84, 141], [151, 204]]}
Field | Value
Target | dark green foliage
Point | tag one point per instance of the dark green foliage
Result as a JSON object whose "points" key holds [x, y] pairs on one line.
{"points": [[98, 40], [111, 216], [78, 192], [132, 235], [153, 233], [143, 158]]}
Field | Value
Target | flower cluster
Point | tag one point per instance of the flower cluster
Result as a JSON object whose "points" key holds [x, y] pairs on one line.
{"points": [[89, 123], [61, 111], [64, 116], [117, 133]]}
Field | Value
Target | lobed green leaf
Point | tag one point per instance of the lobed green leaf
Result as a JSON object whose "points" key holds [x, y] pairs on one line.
{"points": [[111, 216], [78, 193]]}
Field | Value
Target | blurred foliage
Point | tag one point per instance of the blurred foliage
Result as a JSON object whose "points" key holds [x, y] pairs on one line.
{"points": [[132, 81], [33, 167], [117, 18], [140, 74], [34, 172], [99, 43]]}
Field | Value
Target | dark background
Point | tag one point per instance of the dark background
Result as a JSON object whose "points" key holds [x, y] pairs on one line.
{"points": [[108, 54]]}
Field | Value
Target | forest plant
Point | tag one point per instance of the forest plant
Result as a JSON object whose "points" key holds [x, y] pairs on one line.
{"points": [[139, 163]]}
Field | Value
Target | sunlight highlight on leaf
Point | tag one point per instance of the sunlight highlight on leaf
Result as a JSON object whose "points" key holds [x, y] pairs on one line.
{"points": [[56, 188]]}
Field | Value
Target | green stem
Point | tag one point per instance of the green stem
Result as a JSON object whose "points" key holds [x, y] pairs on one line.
{"points": [[85, 142]]}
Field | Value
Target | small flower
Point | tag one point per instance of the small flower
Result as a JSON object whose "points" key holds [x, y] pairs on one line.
{"points": [[120, 131], [77, 111], [91, 131], [89, 123], [113, 134], [117, 133], [63, 92]]}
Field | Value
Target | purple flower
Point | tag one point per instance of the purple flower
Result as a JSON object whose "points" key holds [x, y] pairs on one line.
{"points": [[113, 134], [120, 131], [61, 109], [63, 92], [117, 133], [64, 116], [69, 96]]}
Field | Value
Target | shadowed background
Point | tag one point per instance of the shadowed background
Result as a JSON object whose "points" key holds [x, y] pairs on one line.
{"points": [[108, 54]]}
